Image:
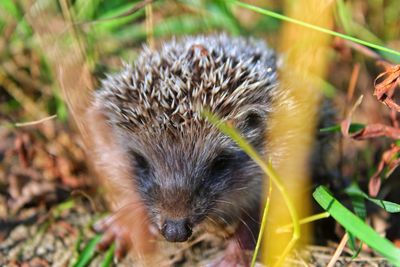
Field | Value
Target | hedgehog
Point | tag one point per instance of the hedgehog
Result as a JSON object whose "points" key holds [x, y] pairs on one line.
{"points": [[170, 173]]}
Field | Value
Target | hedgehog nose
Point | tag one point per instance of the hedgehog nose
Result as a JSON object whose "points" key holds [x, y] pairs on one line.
{"points": [[176, 230]]}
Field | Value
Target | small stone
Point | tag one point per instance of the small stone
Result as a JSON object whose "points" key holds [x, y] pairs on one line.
{"points": [[41, 251]]}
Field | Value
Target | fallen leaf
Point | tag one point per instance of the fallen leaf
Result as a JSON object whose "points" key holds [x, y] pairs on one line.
{"points": [[389, 159], [386, 83], [375, 130]]}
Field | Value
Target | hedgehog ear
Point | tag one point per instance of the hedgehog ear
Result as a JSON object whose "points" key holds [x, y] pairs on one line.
{"points": [[251, 123]]}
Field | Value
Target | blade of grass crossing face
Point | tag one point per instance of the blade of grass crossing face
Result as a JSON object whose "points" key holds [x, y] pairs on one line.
{"points": [[268, 170], [356, 226]]}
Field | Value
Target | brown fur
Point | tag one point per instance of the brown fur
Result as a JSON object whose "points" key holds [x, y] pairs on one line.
{"points": [[114, 172]]}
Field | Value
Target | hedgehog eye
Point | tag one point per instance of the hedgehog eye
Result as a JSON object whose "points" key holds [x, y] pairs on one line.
{"points": [[222, 162], [142, 166], [253, 120], [251, 124]]}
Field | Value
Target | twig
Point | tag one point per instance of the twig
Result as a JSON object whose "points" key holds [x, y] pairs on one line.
{"points": [[353, 81], [338, 250], [30, 123]]}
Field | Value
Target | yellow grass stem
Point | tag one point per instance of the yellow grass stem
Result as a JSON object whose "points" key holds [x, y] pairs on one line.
{"points": [[304, 44], [267, 169], [32, 123], [262, 226], [312, 218]]}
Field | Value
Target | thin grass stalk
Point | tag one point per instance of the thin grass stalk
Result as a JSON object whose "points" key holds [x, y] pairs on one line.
{"points": [[262, 226], [268, 170], [315, 27]]}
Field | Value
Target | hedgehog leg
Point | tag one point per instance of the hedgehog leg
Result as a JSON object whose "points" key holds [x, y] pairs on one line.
{"points": [[243, 241], [115, 231], [233, 256]]}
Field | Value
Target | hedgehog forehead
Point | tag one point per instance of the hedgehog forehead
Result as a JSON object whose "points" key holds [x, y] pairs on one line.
{"points": [[173, 151], [170, 87]]}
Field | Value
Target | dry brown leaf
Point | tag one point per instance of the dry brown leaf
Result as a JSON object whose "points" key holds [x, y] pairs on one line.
{"points": [[389, 159], [22, 146], [369, 131], [375, 130], [386, 83], [345, 124]]}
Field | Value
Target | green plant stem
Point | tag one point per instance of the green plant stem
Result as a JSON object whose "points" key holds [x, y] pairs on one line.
{"points": [[314, 27], [312, 218], [262, 227], [267, 169]]}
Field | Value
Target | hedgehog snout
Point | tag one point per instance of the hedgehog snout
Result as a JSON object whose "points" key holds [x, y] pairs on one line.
{"points": [[176, 230]]}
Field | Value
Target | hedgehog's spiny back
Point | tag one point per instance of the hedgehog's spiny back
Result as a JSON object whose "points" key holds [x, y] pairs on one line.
{"points": [[167, 88]]}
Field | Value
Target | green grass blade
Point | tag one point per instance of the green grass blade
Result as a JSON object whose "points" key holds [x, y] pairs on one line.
{"points": [[360, 210], [356, 226], [314, 27], [354, 127], [173, 26], [88, 252], [262, 226], [388, 206], [10, 8], [86, 9], [357, 199], [112, 20], [76, 249], [108, 258], [344, 16], [66, 205], [219, 10], [352, 242]]}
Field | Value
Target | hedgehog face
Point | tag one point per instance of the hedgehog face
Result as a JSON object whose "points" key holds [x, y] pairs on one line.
{"points": [[191, 179], [186, 170]]}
